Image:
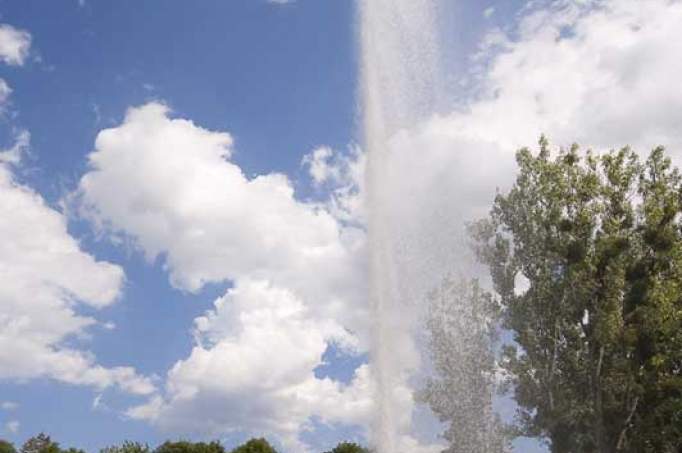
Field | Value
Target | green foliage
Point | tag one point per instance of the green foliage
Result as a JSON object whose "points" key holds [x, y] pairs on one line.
{"points": [[255, 446], [7, 447], [43, 444], [190, 447], [348, 447], [127, 447], [40, 444], [597, 360]]}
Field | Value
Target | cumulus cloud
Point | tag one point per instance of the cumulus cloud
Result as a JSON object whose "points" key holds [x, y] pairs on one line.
{"points": [[14, 45], [596, 72], [252, 371], [169, 187], [319, 166], [42, 284], [342, 176]]}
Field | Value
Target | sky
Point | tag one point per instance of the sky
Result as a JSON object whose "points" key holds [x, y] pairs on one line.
{"points": [[182, 197]]}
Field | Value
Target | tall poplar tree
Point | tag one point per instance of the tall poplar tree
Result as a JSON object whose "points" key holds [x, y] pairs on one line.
{"points": [[585, 253]]}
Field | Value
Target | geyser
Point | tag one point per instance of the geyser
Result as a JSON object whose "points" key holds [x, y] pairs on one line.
{"points": [[399, 80]]}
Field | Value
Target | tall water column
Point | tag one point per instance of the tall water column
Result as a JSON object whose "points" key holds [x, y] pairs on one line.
{"points": [[399, 80]]}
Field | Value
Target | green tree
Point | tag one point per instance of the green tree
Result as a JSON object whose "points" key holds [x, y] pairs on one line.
{"points": [[348, 447], [127, 447], [40, 444], [72, 450], [596, 363], [7, 447], [190, 447], [255, 446], [462, 329]]}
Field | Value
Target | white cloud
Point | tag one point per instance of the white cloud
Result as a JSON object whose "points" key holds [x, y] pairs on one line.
{"points": [[14, 45], [12, 426], [253, 371], [342, 176], [597, 72], [42, 284], [319, 165], [8, 405], [98, 404], [13, 155], [169, 187], [5, 92]]}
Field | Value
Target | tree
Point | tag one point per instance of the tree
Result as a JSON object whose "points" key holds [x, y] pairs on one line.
{"points": [[7, 447], [462, 329], [190, 447], [255, 446], [40, 444], [127, 447], [596, 363], [348, 447]]}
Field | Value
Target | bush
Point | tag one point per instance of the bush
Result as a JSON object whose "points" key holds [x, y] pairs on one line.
{"points": [[348, 447], [127, 447], [184, 446], [7, 447], [255, 446]]}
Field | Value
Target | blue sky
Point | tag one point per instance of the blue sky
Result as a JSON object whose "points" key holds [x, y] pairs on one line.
{"points": [[258, 85], [247, 67]]}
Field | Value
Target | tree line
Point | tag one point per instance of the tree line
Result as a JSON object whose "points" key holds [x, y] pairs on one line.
{"points": [[42, 443]]}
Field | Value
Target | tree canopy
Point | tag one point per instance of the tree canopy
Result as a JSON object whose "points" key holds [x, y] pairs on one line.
{"points": [[585, 253], [255, 446], [184, 446], [127, 447], [348, 447], [40, 443], [7, 447]]}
